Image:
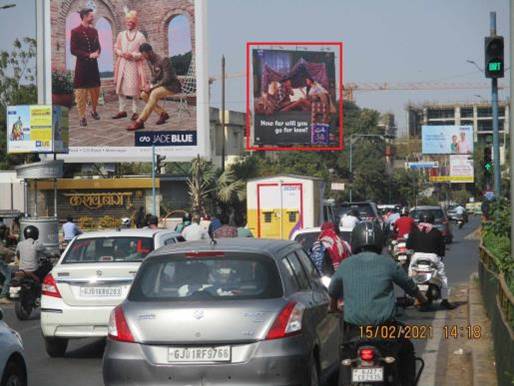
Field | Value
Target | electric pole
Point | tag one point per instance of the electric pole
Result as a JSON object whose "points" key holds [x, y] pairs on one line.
{"points": [[223, 126]]}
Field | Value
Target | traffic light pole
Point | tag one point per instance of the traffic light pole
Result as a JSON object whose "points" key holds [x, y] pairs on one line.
{"points": [[496, 131], [154, 205]]}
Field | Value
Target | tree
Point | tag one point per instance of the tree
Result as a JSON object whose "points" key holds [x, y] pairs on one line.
{"points": [[201, 183], [17, 87]]}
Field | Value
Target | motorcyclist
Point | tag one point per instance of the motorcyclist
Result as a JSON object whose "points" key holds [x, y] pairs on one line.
{"points": [[391, 219], [6, 256], [365, 280], [29, 252], [404, 225], [427, 242], [460, 212]]}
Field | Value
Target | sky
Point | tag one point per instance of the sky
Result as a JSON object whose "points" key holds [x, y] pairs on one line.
{"points": [[385, 41]]}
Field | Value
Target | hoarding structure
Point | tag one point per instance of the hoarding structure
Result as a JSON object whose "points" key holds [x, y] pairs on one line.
{"points": [[295, 100], [447, 139], [175, 29]]}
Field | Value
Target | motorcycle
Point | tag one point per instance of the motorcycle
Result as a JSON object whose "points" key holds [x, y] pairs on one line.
{"points": [[25, 290], [424, 273], [373, 362], [400, 253], [460, 221]]}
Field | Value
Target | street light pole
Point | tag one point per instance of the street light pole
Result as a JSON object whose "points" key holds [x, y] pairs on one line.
{"points": [[496, 131]]}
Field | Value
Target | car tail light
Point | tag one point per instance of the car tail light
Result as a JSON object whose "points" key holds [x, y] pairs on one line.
{"points": [[288, 322], [367, 354], [49, 287], [118, 328], [200, 254]]}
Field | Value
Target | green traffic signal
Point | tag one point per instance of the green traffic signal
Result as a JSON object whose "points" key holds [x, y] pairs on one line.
{"points": [[488, 166], [495, 66]]}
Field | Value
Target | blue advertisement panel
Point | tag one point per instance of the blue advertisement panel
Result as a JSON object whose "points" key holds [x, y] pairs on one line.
{"points": [[447, 139]]}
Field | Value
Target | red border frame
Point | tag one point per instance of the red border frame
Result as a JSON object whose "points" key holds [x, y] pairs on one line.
{"points": [[249, 147], [277, 184]]}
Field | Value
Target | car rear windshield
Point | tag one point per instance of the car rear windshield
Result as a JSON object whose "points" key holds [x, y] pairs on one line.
{"points": [[365, 210], [307, 239], [437, 213], [108, 249], [211, 278]]}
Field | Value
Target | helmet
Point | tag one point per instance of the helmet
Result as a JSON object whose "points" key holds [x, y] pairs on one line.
{"points": [[427, 218], [404, 211], [367, 235], [31, 232], [125, 222]]}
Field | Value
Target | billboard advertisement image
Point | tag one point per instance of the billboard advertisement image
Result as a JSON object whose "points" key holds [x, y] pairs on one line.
{"points": [[447, 139], [133, 67], [295, 100], [37, 129], [461, 169]]}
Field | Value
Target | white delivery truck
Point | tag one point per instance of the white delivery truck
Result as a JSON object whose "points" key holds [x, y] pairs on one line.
{"points": [[277, 206]]}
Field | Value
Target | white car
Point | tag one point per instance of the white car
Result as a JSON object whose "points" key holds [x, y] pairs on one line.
{"points": [[13, 368], [93, 275], [306, 237]]}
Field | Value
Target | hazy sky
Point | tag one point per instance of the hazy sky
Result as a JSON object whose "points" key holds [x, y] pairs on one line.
{"points": [[385, 41]]}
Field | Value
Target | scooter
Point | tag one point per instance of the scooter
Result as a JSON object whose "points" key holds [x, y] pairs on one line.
{"points": [[373, 362], [25, 290], [400, 253], [424, 273], [460, 221]]}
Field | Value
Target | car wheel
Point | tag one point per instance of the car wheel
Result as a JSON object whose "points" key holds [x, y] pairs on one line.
{"points": [[314, 373], [56, 347], [14, 375], [22, 313]]}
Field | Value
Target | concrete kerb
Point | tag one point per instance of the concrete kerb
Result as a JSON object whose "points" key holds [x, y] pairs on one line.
{"points": [[482, 350]]}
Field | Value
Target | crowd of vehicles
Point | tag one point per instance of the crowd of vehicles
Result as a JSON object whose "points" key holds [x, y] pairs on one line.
{"points": [[159, 301]]}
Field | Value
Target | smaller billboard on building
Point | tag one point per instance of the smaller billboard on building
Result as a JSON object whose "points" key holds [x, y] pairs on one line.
{"points": [[461, 169], [447, 139], [37, 129]]}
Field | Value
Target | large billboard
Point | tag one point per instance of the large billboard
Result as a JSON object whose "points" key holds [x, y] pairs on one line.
{"points": [[130, 68], [295, 98], [37, 129], [447, 139]]}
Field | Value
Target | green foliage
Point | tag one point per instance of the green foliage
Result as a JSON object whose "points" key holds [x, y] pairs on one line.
{"points": [[182, 62], [461, 196], [62, 82], [17, 87], [496, 236]]}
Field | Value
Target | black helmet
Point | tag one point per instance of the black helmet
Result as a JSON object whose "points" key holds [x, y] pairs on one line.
{"points": [[31, 232], [404, 211], [367, 235], [427, 218]]}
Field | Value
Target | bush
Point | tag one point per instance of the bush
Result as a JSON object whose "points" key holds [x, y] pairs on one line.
{"points": [[62, 82], [496, 236]]}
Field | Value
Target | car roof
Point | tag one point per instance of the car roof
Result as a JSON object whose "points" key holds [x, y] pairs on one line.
{"points": [[306, 230], [236, 244], [147, 232]]}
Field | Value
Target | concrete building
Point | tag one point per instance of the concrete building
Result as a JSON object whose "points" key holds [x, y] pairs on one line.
{"points": [[479, 115]]}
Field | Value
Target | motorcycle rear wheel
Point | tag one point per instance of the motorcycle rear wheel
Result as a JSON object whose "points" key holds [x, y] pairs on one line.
{"points": [[22, 312]]}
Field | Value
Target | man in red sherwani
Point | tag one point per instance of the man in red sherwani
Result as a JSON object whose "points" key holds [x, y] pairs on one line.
{"points": [[85, 45]]}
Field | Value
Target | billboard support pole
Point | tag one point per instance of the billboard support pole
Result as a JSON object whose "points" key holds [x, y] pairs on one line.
{"points": [[496, 133], [154, 206], [511, 130], [223, 128]]}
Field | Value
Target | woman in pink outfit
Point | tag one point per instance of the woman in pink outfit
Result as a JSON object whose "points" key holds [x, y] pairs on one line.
{"points": [[129, 73]]}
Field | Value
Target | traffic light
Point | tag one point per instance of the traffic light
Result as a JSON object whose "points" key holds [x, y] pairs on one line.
{"points": [[488, 160], [158, 163], [494, 57]]}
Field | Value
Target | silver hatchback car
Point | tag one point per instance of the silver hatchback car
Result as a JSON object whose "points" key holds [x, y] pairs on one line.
{"points": [[241, 312]]}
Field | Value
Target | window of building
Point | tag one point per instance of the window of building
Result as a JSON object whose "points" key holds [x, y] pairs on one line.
{"points": [[485, 125], [180, 44], [466, 112], [440, 113], [466, 122], [441, 123], [483, 112]]}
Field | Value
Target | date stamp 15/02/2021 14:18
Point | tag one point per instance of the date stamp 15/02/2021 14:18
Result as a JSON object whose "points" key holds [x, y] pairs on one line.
{"points": [[419, 332]]}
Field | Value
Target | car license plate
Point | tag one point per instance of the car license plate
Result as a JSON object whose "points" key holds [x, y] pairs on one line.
{"points": [[423, 287], [199, 354], [100, 292], [371, 374]]}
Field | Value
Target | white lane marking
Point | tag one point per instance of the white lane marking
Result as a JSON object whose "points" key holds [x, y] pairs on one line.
{"points": [[431, 351]]}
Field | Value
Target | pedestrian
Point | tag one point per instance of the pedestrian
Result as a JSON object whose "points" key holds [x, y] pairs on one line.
{"points": [[194, 231], [186, 221], [242, 228], [153, 222], [85, 45], [6, 256], [140, 217], [225, 230], [15, 229], [349, 220], [129, 73], [70, 229]]}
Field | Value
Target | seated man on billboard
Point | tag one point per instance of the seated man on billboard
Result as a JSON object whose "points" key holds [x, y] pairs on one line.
{"points": [[164, 84]]}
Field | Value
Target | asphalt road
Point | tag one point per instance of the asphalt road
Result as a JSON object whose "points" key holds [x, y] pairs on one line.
{"points": [[82, 364]]}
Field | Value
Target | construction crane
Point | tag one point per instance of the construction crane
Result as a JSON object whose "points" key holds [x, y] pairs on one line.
{"points": [[350, 88]]}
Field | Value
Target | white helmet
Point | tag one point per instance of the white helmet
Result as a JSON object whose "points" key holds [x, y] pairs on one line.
{"points": [[125, 222]]}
